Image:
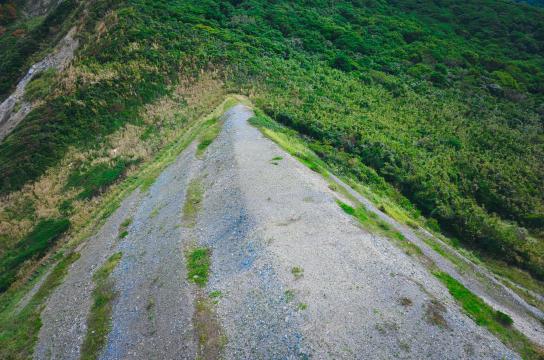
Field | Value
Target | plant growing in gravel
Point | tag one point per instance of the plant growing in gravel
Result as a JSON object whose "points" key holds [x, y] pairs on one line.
{"points": [[198, 266], [99, 320], [208, 137], [193, 202], [297, 272]]}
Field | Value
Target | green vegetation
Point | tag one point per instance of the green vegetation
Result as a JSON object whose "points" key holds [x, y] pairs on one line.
{"points": [[371, 222], [23, 42], [40, 86], [99, 320], [19, 330], [193, 202], [213, 130], [123, 228], [289, 295], [297, 272], [95, 179], [302, 306], [495, 321], [35, 245], [198, 266]]}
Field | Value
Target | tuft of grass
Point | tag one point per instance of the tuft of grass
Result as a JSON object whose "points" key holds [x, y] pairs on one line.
{"points": [[123, 229], [198, 266], [209, 135], [99, 320], [289, 295], [215, 294], [193, 202], [19, 331], [297, 272], [40, 86], [302, 306], [495, 321]]}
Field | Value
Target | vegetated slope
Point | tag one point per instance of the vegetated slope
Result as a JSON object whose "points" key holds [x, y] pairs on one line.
{"points": [[240, 252], [444, 102]]}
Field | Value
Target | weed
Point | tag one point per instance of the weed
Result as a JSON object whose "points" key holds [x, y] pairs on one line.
{"points": [[404, 301], [198, 266], [209, 135], [302, 306], [289, 295], [215, 294], [123, 228], [297, 272], [193, 202], [99, 320]]}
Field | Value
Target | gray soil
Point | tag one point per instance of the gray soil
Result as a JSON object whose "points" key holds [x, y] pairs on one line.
{"points": [[356, 295]]}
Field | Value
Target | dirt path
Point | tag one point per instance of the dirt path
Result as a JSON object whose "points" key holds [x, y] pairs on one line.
{"points": [[293, 275]]}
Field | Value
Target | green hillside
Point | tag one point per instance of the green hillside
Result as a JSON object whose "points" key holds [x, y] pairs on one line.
{"points": [[435, 105]]}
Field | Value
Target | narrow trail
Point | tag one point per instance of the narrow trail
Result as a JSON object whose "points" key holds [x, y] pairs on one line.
{"points": [[297, 277]]}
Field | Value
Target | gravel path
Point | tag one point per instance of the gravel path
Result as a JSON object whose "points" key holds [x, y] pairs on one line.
{"points": [[64, 319], [297, 277]]}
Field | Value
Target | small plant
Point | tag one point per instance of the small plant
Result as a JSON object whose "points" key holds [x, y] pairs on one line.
{"points": [[193, 202], [404, 301], [297, 272], [216, 294], [289, 295], [275, 160], [123, 228], [302, 306], [208, 137], [198, 266]]}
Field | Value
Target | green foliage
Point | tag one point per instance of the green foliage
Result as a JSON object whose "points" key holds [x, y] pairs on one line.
{"points": [[99, 320], [24, 40], [209, 135], [435, 104], [495, 321], [19, 330], [40, 86], [35, 245], [95, 179], [198, 266]]}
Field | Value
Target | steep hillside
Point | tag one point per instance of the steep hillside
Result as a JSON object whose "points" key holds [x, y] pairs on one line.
{"points": [[434, 108]]}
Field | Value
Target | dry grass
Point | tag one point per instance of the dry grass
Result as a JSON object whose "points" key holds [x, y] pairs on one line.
{"points": [[172, 116]]}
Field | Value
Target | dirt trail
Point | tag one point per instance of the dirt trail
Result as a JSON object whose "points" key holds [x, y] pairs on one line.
{"points": [[296, 276]]}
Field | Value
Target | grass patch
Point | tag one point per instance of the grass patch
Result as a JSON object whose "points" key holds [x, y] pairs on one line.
{"points": [[297, 272], [95, 179], [193, 202], [198, 266], [34, 245], [18, 331], [484, 315], [372, 222], [123, 229], [289, 295], [209, 135], [99, 320], [302, 306]]}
